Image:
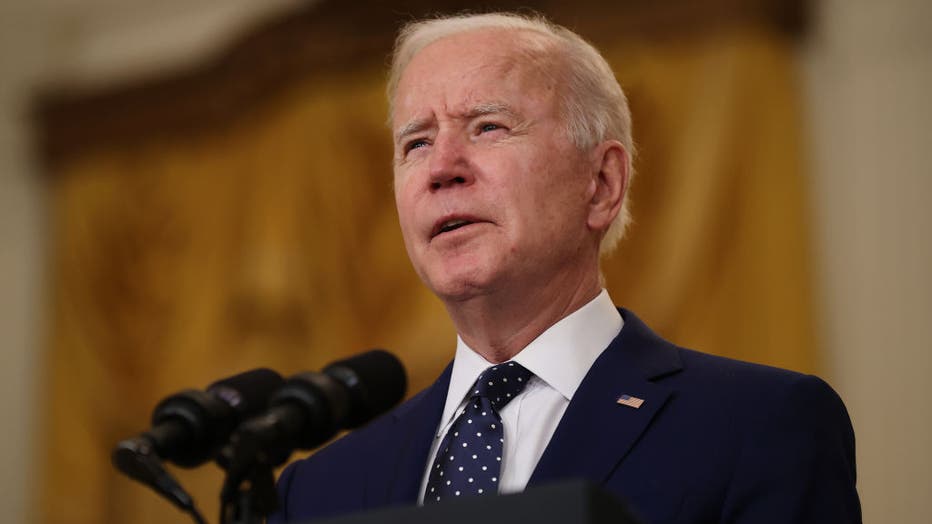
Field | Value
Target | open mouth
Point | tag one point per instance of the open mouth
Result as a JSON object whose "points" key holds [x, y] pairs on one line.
{"points": [[450, 225]]}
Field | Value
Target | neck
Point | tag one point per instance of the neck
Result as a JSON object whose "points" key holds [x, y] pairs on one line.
{"points": [[499, 325]]}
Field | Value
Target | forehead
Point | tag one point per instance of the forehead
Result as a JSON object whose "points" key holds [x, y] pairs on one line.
{"points": [[474, 67]]}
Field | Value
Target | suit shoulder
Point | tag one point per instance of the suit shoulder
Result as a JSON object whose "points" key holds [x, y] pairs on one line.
{"points": [[784, 425], [771, 396], [748, 376]]}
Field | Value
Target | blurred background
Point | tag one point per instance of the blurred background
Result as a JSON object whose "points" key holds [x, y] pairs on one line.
{"points": [[190, 189]]}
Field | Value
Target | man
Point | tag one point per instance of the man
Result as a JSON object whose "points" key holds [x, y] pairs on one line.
{"points": [[512, 162]]}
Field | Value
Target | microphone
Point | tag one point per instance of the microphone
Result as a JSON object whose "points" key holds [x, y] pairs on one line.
{"points": [[312, 407], [189, 427]]}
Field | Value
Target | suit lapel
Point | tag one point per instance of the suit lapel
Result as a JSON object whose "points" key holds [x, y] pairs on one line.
{"points": [[596, 432], [408, 445]]}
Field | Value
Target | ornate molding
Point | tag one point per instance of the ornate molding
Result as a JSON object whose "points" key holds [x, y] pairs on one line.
{"points": [[331, 37]]}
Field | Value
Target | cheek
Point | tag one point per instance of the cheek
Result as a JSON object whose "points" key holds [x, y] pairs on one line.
{"points": [[405, 209], [552, 198], [517, 195]]}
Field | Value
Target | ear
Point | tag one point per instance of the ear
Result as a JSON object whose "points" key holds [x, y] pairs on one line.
{"points": [[609, 184]]}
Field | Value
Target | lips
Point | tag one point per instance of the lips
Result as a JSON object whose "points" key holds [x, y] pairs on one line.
{"points": [[450, 223]]}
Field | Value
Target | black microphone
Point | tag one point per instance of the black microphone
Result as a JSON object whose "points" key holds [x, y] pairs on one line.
{"points": [[189, 427], [312, 407]]}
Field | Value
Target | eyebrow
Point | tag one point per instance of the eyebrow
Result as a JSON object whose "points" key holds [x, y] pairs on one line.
{"points": [[486, 108], [490, 108], [410, 128]]}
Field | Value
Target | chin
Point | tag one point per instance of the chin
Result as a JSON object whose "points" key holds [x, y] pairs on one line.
{"points": [[458, 283], [460, 275], [454, 289]]}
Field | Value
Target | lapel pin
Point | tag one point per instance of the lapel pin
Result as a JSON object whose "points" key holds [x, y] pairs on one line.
{"points": [[631, 402]]}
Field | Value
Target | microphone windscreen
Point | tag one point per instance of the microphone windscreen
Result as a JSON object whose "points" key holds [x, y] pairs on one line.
{"points": [[376, 382], [248, 393]]}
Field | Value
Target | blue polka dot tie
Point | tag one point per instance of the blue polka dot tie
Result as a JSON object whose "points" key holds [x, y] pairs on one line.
{"points": [[469, 458]]}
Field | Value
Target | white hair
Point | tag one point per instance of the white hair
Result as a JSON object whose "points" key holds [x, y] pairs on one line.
{"points": [[595, 107]]}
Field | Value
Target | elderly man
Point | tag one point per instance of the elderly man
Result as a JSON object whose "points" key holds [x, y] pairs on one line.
{"points": [[512, 161]]}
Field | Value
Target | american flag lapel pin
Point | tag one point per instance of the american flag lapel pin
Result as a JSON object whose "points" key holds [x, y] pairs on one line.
{"points": [[631, 402]]}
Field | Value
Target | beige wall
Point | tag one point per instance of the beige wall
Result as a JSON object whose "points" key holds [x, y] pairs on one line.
{"points": [[868, 72], [81, 43], [21, 234], [868, 80]]}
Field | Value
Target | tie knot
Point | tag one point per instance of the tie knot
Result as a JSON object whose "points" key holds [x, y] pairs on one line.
{"points": [[501, 383]]}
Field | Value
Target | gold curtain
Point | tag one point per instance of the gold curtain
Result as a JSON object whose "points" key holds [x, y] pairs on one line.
{"points": [[718, 257], [273, 241]]}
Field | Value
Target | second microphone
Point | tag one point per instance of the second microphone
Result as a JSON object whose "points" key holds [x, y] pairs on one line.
{"points": [[312, 407]]}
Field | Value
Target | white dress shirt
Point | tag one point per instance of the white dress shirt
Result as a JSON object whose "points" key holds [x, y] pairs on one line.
{"points": [[559, 359]]}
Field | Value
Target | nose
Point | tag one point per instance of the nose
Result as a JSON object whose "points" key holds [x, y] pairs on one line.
{"points": [[449, 164]]}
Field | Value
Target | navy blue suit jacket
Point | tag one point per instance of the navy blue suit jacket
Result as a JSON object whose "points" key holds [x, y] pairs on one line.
{"points": [[716, 440]]}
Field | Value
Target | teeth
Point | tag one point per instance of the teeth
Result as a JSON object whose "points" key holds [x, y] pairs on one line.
{"points": [[452, 224]]}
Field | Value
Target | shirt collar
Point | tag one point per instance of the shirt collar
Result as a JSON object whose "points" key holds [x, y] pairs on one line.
{"points": [[560, 356]]}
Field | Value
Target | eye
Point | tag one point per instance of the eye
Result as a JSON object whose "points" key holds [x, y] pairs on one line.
{"points": [[485, 128], [415, 144]]}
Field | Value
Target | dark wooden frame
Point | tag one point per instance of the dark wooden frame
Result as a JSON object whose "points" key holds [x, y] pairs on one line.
{"points": [[329, 36]]}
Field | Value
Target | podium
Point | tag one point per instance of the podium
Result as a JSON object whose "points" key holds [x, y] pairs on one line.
{"points": [[571, 502]]}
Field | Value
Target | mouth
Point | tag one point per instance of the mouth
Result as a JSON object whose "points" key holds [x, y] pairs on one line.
{"points": [[449, 224]]}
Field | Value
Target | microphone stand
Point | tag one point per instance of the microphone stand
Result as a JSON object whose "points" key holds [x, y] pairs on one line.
{"points": [[252, 500], [248, 494]]}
